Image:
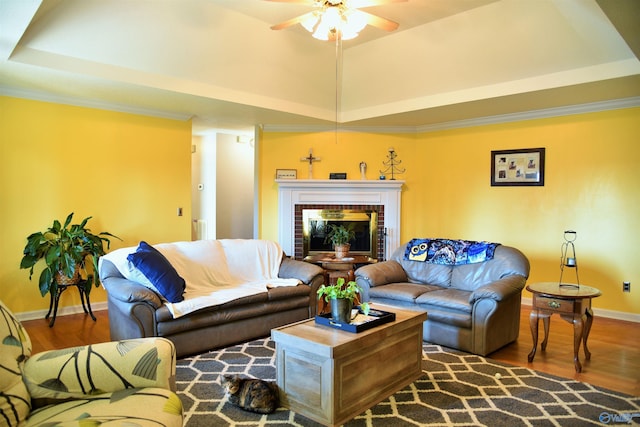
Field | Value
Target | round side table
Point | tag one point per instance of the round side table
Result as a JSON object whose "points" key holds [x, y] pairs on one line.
{"points": [[335, 268], [572, 303]]}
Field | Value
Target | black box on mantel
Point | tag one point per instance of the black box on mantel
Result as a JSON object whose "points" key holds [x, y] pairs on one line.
{"points": [[338, 175]]}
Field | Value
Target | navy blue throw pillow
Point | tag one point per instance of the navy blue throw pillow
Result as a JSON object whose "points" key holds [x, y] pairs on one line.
{"points": [[159, 271]]}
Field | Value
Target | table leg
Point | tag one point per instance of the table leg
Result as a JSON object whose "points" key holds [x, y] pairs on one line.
{"points": [[585, 333], [578, 329], [352, 275], [84, 297], [56, 298], [51, 298], [533, 321], [545, 322]]}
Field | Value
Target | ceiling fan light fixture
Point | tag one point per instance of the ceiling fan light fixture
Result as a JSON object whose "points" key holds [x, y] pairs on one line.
{"points": [[335, 20], [338, 19], [321, 35], [332, 18], [310, 23], [355, 20]]}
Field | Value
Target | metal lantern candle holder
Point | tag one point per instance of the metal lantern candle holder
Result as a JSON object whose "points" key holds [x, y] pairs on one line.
{"points": [[392, 165], [569, 261]]}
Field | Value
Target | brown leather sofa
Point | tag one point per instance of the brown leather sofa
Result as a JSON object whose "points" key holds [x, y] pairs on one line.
{"points": [[471, 307], [137, 311]]}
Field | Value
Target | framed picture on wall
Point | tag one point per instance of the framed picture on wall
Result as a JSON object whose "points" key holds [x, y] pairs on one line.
{"points": [[523, 167], [286, 173]]}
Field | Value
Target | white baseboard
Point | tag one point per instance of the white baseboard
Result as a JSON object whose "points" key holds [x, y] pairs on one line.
{"points": [[601, 312], [39, 314], [62, 311]]}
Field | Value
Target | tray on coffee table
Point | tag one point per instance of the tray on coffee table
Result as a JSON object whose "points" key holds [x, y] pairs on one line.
{"points": [[361, 323]]}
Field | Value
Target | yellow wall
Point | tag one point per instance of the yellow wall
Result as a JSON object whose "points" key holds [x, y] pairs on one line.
{"points": [[129, 172], [138, 173], [284, 151], [591, 186]]}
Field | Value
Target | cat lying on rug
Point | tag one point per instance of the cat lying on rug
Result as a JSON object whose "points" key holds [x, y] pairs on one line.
{"points": [[251, 394]]}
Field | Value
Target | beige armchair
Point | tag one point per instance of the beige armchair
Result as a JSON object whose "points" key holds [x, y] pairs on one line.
{"points": [[126, 382]]}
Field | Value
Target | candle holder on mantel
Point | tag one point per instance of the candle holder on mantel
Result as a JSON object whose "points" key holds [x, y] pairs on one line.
{"points": [[569, 261], [392, 165]]}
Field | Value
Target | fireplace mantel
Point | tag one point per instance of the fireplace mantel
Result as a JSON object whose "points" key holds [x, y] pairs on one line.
{"points": [[294, 192]]}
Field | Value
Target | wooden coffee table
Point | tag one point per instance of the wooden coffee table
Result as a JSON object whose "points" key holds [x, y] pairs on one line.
{"points": [[331, 376]]}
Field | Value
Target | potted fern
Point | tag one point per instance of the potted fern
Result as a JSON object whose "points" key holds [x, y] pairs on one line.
{"points": [[340, 236], [341, 298], [66, 249]]}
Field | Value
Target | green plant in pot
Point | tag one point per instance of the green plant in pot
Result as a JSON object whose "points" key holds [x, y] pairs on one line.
{"points": [[340, 236], [67, 250], [341, 298]]}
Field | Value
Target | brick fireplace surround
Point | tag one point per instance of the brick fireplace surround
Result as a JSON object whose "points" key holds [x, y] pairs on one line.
{"points": [[381, 196]]}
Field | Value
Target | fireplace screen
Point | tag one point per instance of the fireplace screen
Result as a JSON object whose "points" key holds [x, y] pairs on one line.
{"points": [[314, 230]]}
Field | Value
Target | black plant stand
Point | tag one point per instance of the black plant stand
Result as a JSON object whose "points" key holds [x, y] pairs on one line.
{"points": [[84, 297]]}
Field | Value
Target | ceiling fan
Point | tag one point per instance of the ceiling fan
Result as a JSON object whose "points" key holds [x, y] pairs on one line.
{"points": [[338, 19]]}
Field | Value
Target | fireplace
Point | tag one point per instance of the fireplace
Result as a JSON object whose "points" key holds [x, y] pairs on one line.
{"points": [[365, 196], [315, 227], [369, 230]]}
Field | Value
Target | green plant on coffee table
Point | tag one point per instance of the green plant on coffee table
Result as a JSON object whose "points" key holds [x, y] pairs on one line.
{"points": [[340, 291], [66, 250], [339, 234]]}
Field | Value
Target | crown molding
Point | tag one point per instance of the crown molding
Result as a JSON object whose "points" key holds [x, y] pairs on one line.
{"points": [[456, 124], [592, 107], [89, 103], [340, 128]]}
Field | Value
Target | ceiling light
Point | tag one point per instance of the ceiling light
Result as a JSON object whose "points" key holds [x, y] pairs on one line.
{"points": [[335, 19], [338, 19]]}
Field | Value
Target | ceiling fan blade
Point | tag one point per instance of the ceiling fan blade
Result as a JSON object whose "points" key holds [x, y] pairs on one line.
{"points": [[378, 22], [355, 4], [292, 21]]}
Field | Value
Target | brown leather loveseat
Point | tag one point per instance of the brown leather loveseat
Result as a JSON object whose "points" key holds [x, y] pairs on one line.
{"points": [[472, 307]]}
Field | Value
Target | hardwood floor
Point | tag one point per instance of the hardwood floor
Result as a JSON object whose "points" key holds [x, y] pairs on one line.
{"points": [[614, 345]]}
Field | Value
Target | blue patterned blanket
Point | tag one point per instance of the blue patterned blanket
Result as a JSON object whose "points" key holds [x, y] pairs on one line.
{"points": [[449, 252]]}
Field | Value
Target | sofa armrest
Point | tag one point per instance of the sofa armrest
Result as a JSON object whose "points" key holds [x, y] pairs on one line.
{"points": [[378, 274], [311, 274], [124, 290], [500, 289], [76, 372], [381, 273], [294, 269]]}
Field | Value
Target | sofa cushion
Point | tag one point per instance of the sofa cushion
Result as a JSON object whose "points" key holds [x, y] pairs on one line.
{"points": [[164, 314], [253, 268], [408, 292], [251, 260], [130, 407], [201, 263], [255, 307], [449, 319], [447, 306], [422, 272], [453, 299], [506, 261], [159, 271]]}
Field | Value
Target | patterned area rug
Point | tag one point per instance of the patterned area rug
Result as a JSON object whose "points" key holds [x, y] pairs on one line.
{"points": [[457, 389]]}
